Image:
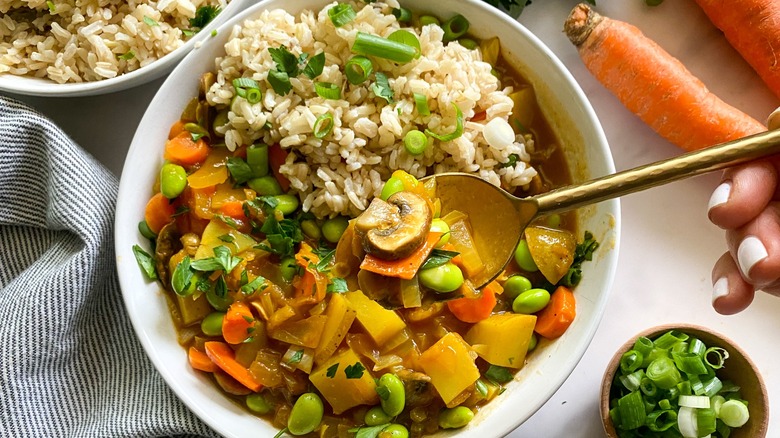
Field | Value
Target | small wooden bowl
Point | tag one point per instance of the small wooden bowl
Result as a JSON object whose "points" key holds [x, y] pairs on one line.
{"points": [[738, 368]]}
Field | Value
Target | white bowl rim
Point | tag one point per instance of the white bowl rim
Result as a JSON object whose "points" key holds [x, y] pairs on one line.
{"points": [[32, 86], [499, 426]]}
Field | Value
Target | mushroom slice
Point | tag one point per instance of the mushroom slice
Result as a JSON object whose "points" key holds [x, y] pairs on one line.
{"points": [[168, 244], [394, 229]]}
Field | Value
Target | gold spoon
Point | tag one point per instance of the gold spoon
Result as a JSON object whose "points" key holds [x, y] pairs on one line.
{"points": [[498, 218]]}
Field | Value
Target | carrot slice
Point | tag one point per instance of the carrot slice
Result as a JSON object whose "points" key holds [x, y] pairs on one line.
{"points": [[159, 212], [182, 150], [225, 358], [234, 209], [276, 157], [653, 84], [476, 309], [237, 323], [176, 129], [200, 360], [404, 268], [312, 286], [557, 316]]}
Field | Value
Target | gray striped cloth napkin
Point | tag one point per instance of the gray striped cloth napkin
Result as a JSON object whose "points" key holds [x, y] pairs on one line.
{"points": [[70, 364]]}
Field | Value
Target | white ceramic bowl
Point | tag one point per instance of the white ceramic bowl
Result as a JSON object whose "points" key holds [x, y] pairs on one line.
{"points": [[48, 88], [571, 117]]}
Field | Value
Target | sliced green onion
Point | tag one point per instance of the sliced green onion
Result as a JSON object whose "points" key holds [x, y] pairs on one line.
{"points": [[720, 356], [323, 125], [631, 409], [670, 338], [711, 386], [405, 37], [415, 142], [453, 135], [734, 413], [421, 103], [327, 90], [643, 345], [648, 388], [696, 346], [689, 363], [684, 388], [248, 88], [659, 421], [373, 45], [468, 43], [663, 373], [686, 422], [403, 15], [429, 19], [341, 14], [455, 27], [632, 381], [664, 404], [705, 421], [694, 401], [654, 354], [630, 361], [358, 69]]}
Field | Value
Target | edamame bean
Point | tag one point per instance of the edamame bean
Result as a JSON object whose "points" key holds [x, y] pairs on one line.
{"points": [[333, 228], [311, 229], [287, 204], [444, 278], [376, 416], [439, 226], [456, 417], [173, 180], [258, 404], [265, 185], [306, 414], [523, 257], [395, 400], [391, 187], [212, 324], [531, 301], [257, 159], [516, 285], [532, 343], [288, 267], [394, 431], [145, 231]]}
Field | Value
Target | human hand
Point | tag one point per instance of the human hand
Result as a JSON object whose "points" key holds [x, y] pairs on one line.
{"points": [[747, 205]]}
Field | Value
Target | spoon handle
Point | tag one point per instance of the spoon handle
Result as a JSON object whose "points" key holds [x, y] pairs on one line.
{"points": [[661, 172]]}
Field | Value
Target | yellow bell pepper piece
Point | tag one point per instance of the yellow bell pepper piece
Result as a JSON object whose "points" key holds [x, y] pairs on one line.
{"points": [[211, 239], [341, 315], [450, 365], [340, 390], [380, 323], [502, 339]]}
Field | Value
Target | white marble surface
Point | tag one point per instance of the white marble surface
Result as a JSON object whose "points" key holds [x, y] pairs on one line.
{"points": [[668, 245]]}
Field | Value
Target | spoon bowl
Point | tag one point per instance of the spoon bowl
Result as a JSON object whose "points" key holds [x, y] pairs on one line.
{"points": [[499, 218]]}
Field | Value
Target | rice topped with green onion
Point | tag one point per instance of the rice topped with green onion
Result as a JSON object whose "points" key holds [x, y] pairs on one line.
{"points": [[91, 40], [345, 139]]}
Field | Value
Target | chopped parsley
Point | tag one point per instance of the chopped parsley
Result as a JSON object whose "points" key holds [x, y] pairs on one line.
{"points": [[223, 260], [281, 235], [127, 56], [145, 261], [180, 210], [337, 285], [368, 431], [382, 392], [498, 374], [354, 371], [438, 257], [381, 87], [289, 66], [203, 16], [296, 357], [182, 277], [254, 285], [239, 170], [227, 238], [331, 372], [511, 161], [583, 252]]}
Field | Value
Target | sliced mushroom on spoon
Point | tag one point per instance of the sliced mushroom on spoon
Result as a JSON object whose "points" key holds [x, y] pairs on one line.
{"points": [[499, 219], [395, 228]]}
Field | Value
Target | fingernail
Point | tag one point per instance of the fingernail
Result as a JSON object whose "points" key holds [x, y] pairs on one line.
{"points": [[720, 289], [720, 195], [750, 252]]}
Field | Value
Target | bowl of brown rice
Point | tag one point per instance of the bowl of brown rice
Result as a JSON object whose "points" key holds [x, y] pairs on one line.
{"points": [[90, 47], [335, 170]]}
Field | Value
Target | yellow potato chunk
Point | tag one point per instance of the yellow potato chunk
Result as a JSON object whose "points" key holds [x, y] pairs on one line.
{"points": [[552, 251], [211, 239], [341, 389], [450, 365], [502, 339], [341, 315], [381, 324]]}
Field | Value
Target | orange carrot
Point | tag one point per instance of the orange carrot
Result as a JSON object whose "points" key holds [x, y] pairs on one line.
{"points": [[176, 129], [234, 209], [475, 309], [182, 150], [457, 260], [276, 157], [159, 212], [225, 358], [237, 323], [558, 315], [653, 84], [312, 286], [200, 360], [753, 28], [404, 268]]}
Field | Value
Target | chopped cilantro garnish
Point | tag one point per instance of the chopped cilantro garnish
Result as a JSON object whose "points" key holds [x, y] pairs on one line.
{"points": [[254, 285], [498, 374], [145, 261], [583, 252], [227, 238], [315, 65], [383, 392], [368, 431], [438, 257], [331, 372], [203, 16], [337, 285], [511, 161], [354, 371], [127, 56], [239, 170], [222, 260], [180, 210], [182, 277], [296, 357], [150, 21], [381, 87]]}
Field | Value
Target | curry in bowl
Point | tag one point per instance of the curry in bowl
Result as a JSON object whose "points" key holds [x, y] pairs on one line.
{"points": [[311, 269]]}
